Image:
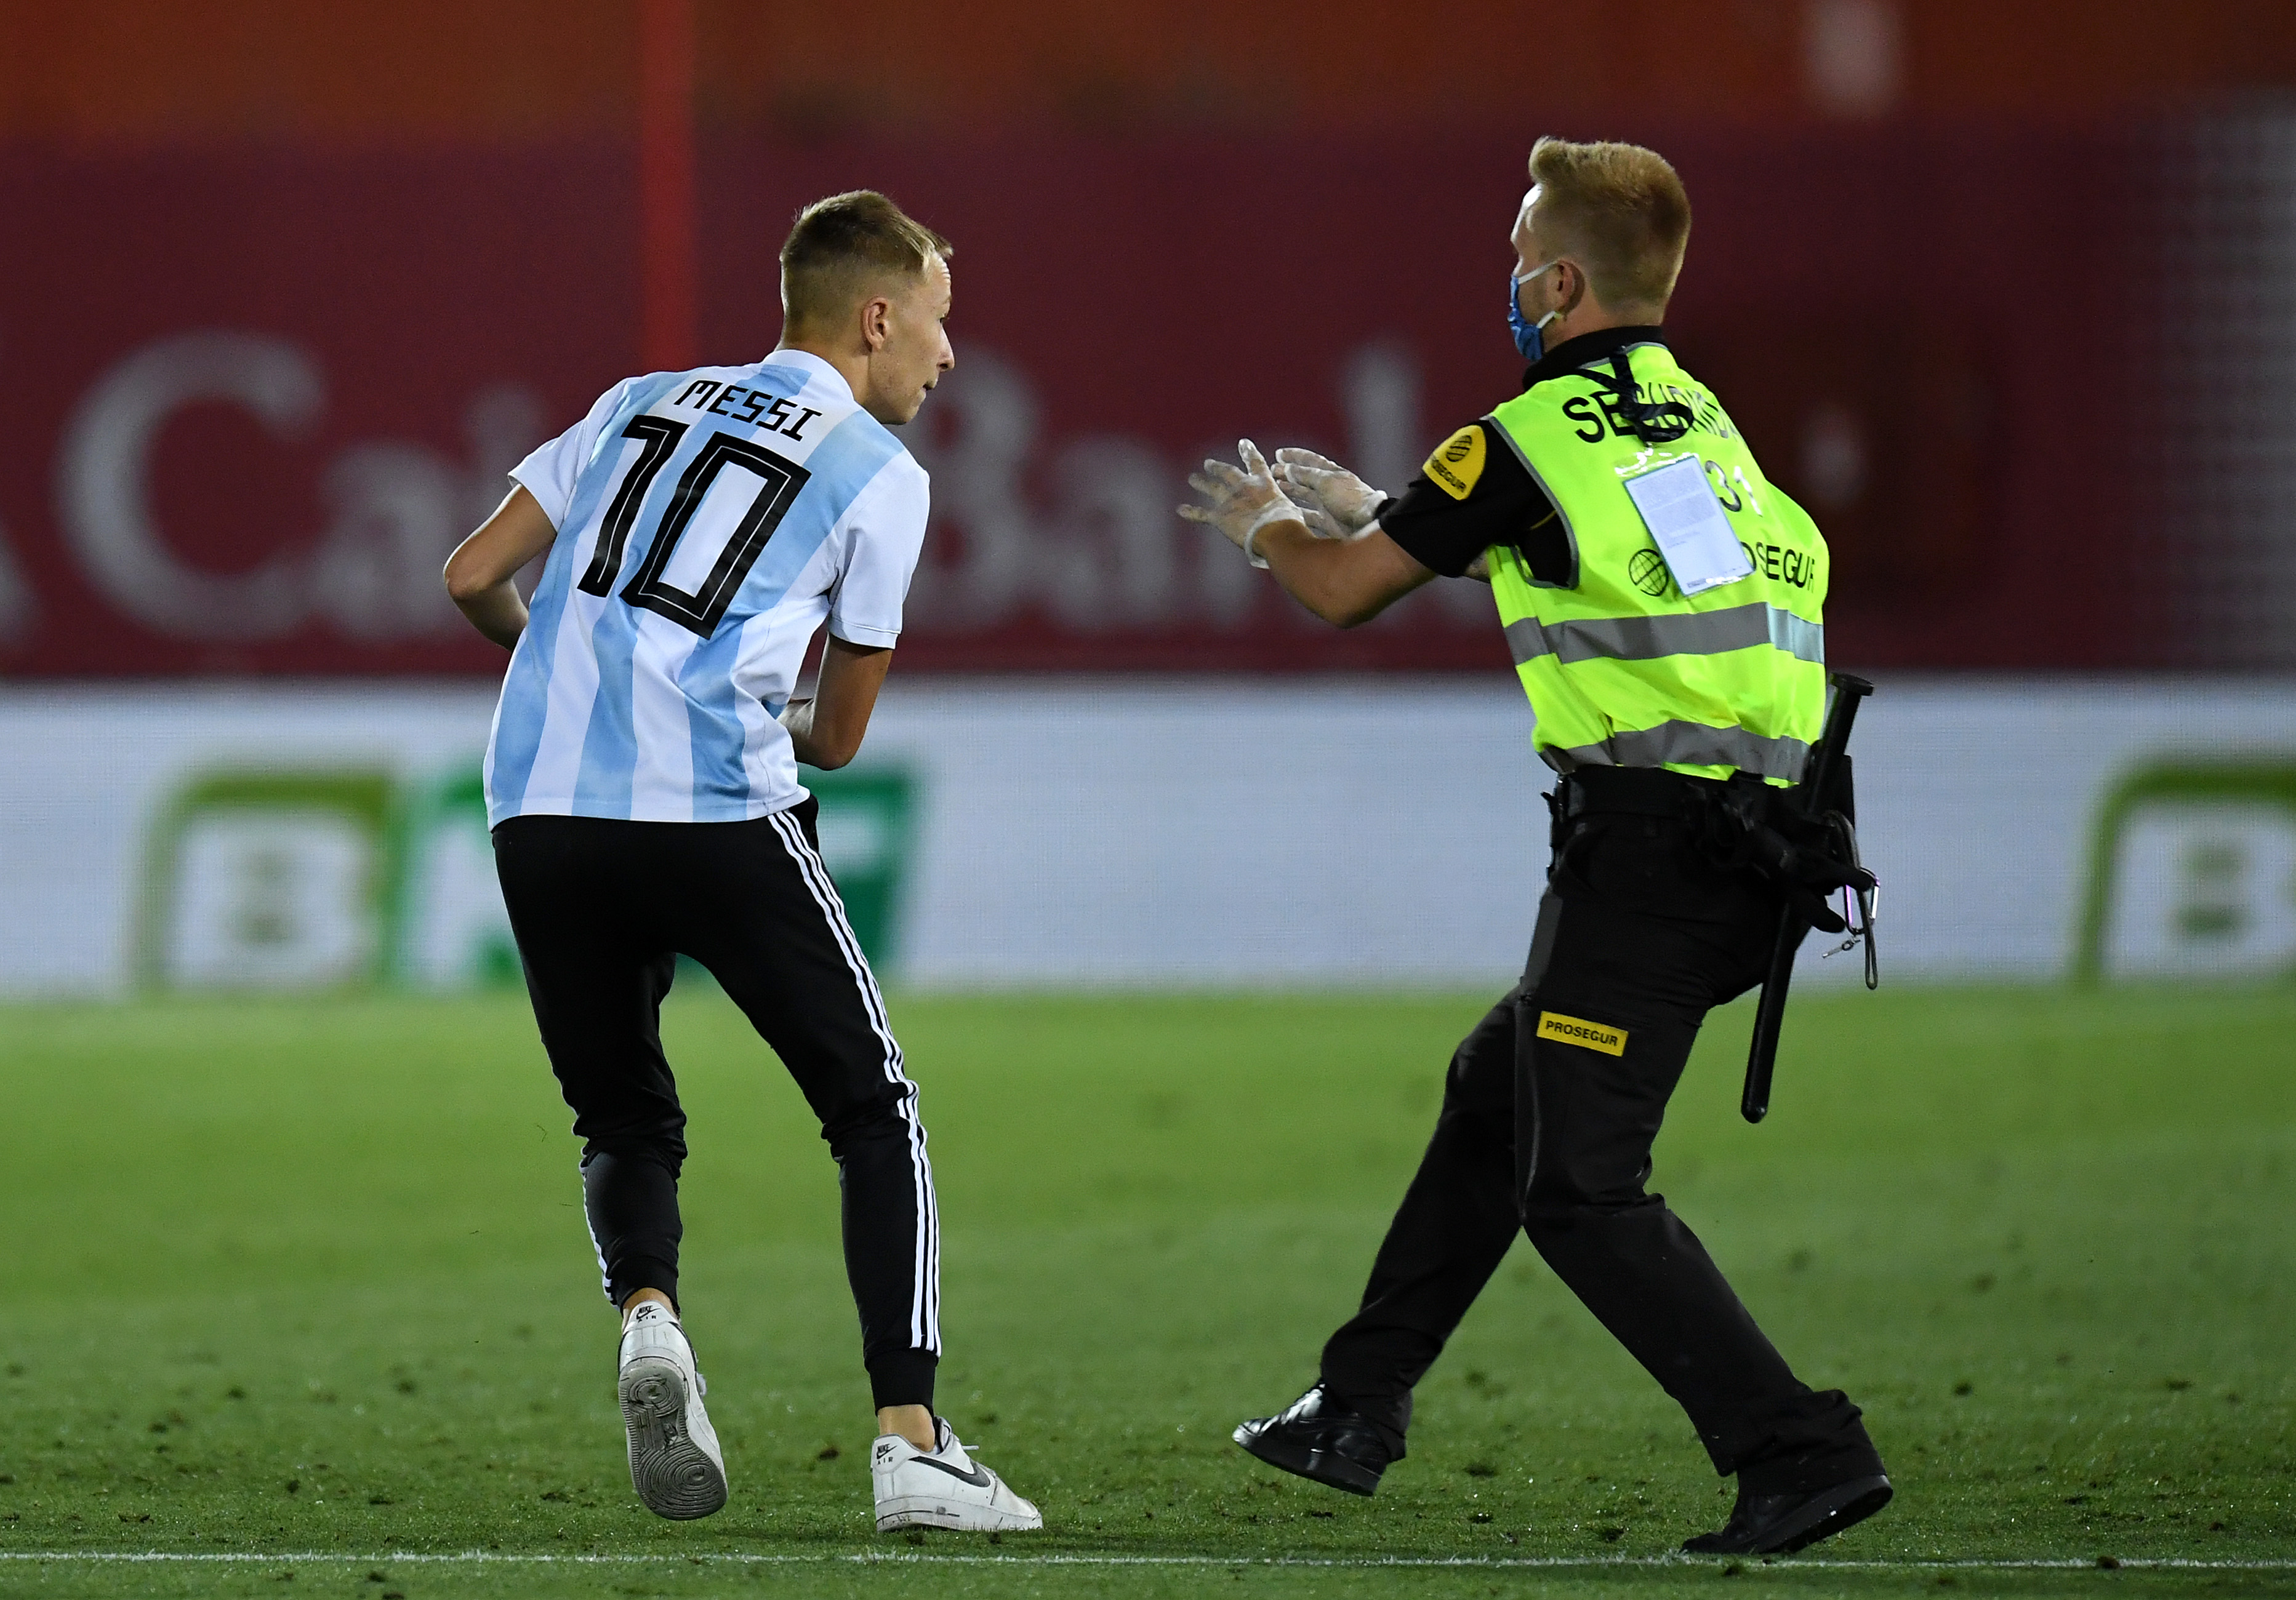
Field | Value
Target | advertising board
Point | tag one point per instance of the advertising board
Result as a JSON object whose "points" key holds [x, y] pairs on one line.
{"points": [[240, 436], [1195, 833]]}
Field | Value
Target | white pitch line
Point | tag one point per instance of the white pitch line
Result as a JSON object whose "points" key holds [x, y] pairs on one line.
{"points": [[871, 1557]]}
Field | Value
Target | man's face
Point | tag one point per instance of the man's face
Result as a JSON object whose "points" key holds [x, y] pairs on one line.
{"points": [[915, 352]]}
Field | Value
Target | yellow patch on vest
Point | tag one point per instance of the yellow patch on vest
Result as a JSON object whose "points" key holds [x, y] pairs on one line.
{"points": [[1572, 1030], [1457, 463]]}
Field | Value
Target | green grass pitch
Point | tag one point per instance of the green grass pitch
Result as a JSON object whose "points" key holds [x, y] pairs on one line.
{"points": [[305, 1286]]}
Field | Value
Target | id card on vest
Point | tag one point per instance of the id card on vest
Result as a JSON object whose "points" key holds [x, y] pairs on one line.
{"points": [[1686, 522]]}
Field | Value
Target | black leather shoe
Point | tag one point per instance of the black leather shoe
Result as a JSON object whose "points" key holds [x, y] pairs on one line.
{"points": [[1320, 1437], [1776, 1524]]}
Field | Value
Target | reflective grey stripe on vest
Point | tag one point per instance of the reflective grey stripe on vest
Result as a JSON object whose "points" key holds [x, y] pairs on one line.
{"points": [[1525, 642], [1688, 744], [1681, 633]]}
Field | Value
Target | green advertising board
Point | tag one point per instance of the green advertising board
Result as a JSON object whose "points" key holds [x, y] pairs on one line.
{"points": [[331, 878], [267, 880], [2192, 873]]}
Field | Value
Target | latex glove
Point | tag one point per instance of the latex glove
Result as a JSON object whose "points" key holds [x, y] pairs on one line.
{"points": [[1240, 500], [1343, 503]]}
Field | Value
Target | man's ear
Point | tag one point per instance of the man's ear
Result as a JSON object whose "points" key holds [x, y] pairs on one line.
{"points": [[1580, 288], [876, 322]]}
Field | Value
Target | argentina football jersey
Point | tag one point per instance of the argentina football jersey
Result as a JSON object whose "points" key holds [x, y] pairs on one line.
{"points": [[709, 522]]}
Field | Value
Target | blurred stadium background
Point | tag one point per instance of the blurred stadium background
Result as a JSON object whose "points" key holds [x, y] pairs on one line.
{"points": [[2006, 293]]}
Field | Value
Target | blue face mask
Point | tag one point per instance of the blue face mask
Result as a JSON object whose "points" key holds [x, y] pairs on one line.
{"points": [[1529, 337]]}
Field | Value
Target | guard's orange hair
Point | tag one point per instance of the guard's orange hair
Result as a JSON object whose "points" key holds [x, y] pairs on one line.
{"points": [[1619, 211]]}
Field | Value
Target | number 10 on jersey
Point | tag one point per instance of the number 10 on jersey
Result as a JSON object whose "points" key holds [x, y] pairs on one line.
{"points": [[778, 483]]}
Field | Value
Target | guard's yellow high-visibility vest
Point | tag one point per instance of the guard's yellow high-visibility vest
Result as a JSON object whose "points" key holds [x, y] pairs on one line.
{"points": [[1622, 669]]}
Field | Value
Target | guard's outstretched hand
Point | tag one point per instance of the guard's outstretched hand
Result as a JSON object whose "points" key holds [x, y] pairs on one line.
{"points": [[1337, 504], [1240, 502]]}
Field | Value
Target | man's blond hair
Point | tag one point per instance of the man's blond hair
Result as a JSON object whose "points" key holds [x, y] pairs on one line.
{"points": [[1619, 211], [841, 248]]}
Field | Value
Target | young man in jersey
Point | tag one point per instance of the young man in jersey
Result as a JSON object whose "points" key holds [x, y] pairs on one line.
{"points": [[642, 785], [1675, 683]]}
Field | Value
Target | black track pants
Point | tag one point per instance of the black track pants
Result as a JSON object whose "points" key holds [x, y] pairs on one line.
{"points": [[1635, 938], [601, 909]]}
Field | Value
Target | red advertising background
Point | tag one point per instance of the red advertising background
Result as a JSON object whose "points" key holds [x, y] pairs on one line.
{"points": [[253, 397]]}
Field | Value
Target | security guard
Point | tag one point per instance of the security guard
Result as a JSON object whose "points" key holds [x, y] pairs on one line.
{"points": [[1663, 604]]}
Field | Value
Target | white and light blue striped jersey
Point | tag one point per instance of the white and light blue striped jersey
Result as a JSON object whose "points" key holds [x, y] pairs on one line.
{"points": [[708, 522]]}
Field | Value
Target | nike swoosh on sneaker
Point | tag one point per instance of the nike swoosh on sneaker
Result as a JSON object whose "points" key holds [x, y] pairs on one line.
{"points": [[977, 1477]]}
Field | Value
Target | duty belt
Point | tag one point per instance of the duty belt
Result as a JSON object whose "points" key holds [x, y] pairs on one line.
{"points": [[1738, 823], [1642, 792]]}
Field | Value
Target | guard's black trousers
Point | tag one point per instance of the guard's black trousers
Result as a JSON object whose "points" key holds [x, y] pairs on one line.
{"points": [[1637, 938], [601, 909]]}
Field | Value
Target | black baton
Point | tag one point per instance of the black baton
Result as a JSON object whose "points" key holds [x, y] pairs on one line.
{"points": [[1817, 779]]}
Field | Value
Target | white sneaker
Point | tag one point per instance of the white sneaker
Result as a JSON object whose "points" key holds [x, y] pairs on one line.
{"points": [[675, 1462], [943, 1488]]}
